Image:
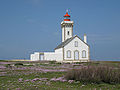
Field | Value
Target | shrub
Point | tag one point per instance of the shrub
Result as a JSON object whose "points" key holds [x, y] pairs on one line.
{"points": [[8, 66], [17, 64], [52, 62], [94, 74], [78, 63], [67, 62], [58, 63]]}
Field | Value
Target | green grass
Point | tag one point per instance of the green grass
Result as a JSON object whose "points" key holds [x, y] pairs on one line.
{"points": [[7, 81], [12, 83], [11, 79]]}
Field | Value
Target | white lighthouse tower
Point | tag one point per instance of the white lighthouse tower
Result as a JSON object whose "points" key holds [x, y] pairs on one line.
{"points": [[67, 27]]}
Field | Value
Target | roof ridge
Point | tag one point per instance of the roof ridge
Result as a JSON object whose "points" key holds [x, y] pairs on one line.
{"points": [[67, 41]]}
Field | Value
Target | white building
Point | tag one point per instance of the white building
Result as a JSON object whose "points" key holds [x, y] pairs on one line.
{"points": [[72, 48]]}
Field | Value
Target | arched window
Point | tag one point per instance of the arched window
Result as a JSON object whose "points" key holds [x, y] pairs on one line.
{"points": [[68, 54], [83, 54], [76, 43]]}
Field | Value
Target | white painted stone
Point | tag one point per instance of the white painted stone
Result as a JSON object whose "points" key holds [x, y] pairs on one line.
{"points": [[67, 26], [71, 46], [49, 56], [60, 54], [85, 38]]}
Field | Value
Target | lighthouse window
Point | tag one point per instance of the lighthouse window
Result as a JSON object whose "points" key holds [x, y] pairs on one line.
{"points": [[68, 54], [83, 54], [68, 32], [76, 44]]}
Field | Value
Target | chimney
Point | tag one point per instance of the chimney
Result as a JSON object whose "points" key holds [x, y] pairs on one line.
{"points": [[85, 38]]}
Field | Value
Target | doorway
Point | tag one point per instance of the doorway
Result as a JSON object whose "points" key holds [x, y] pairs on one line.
{"points": [[76, 55], [41, 56]]}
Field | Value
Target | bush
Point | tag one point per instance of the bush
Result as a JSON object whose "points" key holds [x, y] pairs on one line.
{"points": [[52, 62], [18, 64], [78, 63], [8, 66], [94, 75], [67, 62]]}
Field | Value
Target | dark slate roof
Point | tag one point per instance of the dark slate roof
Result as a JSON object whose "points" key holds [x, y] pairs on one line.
{"points": [[67, 41]]}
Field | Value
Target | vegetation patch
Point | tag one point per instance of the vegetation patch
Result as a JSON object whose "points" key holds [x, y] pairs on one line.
{"points": [[49, 75], [18, 64], [94, 74]]}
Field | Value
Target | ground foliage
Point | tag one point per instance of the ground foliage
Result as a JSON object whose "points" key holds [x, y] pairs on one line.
{"points": [[51, 76], [95, 74]]}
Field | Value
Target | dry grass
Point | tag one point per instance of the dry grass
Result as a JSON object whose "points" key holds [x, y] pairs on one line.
{"points": [[95, 74]]}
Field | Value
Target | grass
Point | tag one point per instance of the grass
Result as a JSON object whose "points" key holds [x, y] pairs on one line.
{"points": [[95, 74], [11, 79], [4, 80], [12, 83]]}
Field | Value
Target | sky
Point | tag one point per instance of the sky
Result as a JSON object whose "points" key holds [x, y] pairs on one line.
{"points": [[28, 26]]}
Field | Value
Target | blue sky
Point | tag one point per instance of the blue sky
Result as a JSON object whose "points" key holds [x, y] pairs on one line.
{"points": [[34, 25]]}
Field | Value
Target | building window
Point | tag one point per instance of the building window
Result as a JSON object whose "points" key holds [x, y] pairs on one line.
{"points": [[76, 44], [83, 54], [68, 32], [68, 54]]}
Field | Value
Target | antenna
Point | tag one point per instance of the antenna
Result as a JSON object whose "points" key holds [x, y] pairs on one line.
{"points": [[67, 11]]}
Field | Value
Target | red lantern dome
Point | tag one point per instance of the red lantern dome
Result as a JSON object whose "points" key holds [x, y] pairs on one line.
{"points": [[67, 17]]}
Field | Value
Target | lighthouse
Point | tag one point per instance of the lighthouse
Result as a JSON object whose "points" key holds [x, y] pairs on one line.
{"points": [[71, 49], [67, 27]]}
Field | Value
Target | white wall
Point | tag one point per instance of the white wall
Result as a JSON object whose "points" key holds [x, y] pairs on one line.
{"points": [[59, 54], [63, 36], [31, 57], [71, 46], [35, 56], [66, 26], [50, 56], [70, 32], [47, 56]]}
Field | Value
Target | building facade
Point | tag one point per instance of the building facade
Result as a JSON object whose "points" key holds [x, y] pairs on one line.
{"points": [[71, 49]]}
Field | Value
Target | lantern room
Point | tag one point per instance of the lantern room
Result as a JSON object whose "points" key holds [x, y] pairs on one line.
{"points": [[67, 17]]}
